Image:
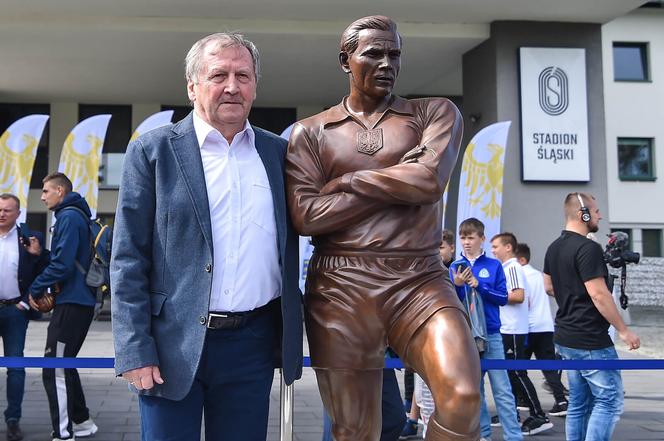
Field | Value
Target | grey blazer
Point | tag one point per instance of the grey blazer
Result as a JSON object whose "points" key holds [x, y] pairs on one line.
{"points": [[161, 266]]}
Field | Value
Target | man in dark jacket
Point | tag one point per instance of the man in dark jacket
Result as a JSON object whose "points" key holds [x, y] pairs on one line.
{"points": [[22, 257], [74, 305]]}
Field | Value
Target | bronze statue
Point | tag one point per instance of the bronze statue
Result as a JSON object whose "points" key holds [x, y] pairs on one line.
{"points": [[365, 179]]}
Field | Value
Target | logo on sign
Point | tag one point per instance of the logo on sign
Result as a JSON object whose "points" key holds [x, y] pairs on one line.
{"points": [[553, 91]]}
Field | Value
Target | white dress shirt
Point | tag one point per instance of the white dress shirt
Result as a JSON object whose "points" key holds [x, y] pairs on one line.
{"points": [[9, 265], [246, 272]]}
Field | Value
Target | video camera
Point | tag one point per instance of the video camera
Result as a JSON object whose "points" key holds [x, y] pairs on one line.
{"points": [[618, 255]]}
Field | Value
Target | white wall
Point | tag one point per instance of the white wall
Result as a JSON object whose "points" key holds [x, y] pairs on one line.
{"points": [[635, 109]]}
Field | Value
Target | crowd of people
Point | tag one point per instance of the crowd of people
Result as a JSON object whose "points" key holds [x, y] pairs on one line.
{"points": [[199, 325], [29, 272]]}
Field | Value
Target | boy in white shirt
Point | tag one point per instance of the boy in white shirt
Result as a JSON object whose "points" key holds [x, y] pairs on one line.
{"points": [[514, 329], [540, 328]]}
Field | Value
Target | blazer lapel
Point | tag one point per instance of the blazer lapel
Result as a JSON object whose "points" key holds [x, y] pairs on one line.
{"points": [[268, 154], [188, 156]]}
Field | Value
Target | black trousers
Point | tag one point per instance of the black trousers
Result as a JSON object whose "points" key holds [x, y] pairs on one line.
{"points": [[409, 385], [66, 333], [541, 345], [515, 345]]}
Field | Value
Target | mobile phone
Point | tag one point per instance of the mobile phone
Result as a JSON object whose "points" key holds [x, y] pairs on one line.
{"points": [[462, 267], [25, 233]]}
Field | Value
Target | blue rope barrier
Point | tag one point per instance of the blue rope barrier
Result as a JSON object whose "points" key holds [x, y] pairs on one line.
{"points": [[544, 365]]}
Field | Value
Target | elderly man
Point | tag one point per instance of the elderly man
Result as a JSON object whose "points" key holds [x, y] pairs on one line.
{"points": [[204, 266], [365, 179]]}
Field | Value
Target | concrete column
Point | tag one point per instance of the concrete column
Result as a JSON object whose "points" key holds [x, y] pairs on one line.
{"points": [[532, 211]]}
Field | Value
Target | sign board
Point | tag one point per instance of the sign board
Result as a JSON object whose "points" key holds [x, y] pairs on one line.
{"points": [[554, 115]]}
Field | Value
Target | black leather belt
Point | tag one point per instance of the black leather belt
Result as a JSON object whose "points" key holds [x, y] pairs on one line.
{"points": [[13, 301], [236, 320]]}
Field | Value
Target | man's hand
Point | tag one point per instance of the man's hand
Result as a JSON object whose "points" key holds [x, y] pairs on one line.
{"points": [[413, 155], [633, 341], [33, 247], [143, 378], [334, 186], [32, 303]]}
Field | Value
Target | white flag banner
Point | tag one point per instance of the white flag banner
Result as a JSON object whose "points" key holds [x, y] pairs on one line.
{"points": [[18, 149], [153, 121], [481, 180], [81, 155], [447, 187]]}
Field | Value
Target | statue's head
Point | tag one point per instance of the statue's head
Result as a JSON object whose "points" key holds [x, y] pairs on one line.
{"points": [[370, 53]]}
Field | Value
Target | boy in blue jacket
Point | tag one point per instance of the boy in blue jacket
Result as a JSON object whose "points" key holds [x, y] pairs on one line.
{"points": [[474, 270]]}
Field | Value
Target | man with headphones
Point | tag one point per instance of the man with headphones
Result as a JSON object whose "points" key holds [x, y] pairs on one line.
{"points": [[575, 273]]}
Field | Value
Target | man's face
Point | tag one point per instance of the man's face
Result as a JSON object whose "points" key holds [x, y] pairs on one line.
{"points": [[375, 64], [52, 195], [8, 214], [446, 251], [595, 216], [500, 250], [472, 244], [225, 87]]}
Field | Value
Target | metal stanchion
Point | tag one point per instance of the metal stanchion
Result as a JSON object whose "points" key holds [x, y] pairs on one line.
{"points": [[286, 410]]}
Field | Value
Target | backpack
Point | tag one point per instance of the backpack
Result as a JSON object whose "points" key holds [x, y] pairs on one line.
{"points": [[96, 272]]}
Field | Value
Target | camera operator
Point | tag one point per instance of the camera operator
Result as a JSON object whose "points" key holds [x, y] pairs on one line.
{"points": [[575, 273]]}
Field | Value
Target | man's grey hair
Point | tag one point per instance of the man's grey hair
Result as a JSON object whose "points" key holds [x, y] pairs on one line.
{"points": [[221, 40]]}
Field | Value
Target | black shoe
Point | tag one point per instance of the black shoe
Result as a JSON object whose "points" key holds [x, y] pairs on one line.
{"points": [[522, 404], [535, 424], [14, 431], [559, 409], [409, 430]]}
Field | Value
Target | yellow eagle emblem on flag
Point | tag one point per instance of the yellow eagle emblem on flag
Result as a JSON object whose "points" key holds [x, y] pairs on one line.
{"points": [[484, 180]]}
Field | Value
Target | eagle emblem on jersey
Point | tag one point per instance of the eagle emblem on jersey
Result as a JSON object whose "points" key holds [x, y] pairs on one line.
{"points": [[369, 141]]}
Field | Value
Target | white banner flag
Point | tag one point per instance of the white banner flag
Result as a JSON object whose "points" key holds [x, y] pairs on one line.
{"points": [[481, 180], [152, 122], [18, 149], [80, 157]]}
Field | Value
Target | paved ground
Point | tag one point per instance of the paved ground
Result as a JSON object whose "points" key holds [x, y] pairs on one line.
{"points": [[114, 408]]}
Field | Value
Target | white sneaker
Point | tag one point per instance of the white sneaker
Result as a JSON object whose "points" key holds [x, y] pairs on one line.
{"points": [[86, 428]]}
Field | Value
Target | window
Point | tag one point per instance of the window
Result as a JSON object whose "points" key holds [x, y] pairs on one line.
{"points": [[635, 159], [630, 62], [652, 242], [11, 112]]}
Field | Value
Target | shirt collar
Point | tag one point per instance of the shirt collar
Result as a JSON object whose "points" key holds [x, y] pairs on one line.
{"points": [[203, 130], [340, 113], [9, 233], [509, 261]]}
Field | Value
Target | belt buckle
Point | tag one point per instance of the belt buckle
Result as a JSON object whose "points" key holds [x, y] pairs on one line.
{"points": [[212, 315]]}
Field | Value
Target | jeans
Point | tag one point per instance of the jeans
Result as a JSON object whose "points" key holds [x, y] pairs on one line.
{"points": [[502, 394], [595, 396], [13, 326]]}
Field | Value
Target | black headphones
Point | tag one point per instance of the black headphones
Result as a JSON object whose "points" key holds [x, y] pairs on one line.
{"points": [[585, 213]]}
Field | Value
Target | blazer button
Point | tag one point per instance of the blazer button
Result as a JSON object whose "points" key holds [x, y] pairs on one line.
{"points": [[208, 268], [202, 320]]}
